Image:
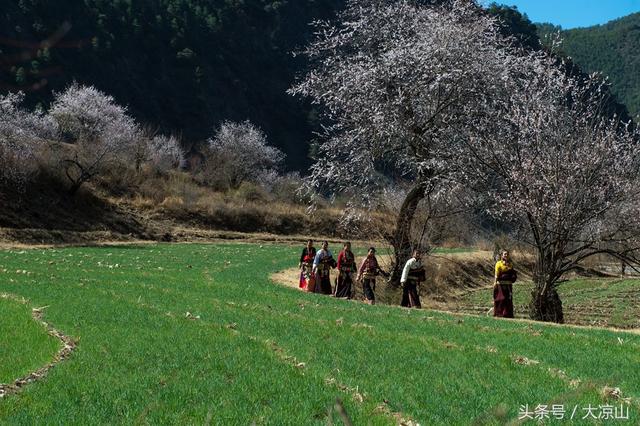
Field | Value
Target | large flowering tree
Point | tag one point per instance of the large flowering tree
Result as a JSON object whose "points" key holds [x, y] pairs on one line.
{"points": [[433, 94], [562, 174], [399, 81]]}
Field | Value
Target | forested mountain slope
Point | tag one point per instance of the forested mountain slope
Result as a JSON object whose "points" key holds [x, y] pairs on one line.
{"points": [[181, 65], [613, 49]]}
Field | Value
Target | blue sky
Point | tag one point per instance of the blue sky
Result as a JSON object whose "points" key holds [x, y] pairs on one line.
{"points": [[573, 13]]}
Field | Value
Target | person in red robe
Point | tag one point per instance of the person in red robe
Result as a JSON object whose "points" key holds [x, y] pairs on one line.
{"points": [[346, 268], [367, 273]]}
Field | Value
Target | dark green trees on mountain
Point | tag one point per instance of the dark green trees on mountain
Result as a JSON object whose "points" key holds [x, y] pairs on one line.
{"points": [[534, 37], [516, 24], [613, 49], [185, 66], [182, 65]]}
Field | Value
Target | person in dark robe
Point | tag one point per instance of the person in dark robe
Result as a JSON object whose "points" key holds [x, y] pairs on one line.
{"points": [[346, 268], [413, 274], [367, 273], [322, 265], [306, 266], [505, 276]]}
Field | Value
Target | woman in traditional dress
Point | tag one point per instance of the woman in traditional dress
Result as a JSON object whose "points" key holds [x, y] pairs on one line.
{"points": [[346, 268], [412, 274], [368, 271], [306, 265], [322, 265], [505, 276]]}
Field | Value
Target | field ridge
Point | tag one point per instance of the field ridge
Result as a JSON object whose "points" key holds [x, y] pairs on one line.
{"points": [[189, 332], [68, 345]]}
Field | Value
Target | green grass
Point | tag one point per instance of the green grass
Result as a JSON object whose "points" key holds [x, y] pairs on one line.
{"points": [[594, 301], [24, 344], [141, 360]]}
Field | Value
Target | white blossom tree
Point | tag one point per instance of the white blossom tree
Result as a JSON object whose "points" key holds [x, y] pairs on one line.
{"points": [[22, 136], [400, 81], [239, 152], [166, 153], [563, 175], [433, 95], [159, 152], [100, 131]]}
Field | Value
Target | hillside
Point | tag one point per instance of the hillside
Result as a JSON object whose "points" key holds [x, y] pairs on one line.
{"points": [[180, 65], [613, 49], [46, 215]]}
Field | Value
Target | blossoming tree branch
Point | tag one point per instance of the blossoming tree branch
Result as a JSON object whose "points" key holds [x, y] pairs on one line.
{"points": [[436, 96]]}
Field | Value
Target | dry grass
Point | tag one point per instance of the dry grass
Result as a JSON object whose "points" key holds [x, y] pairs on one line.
{"points": [[178, 198]]}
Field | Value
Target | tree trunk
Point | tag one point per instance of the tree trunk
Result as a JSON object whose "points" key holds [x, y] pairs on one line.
{"points": [[401, 238], [76, 182], [75, 186], [546, 306]]}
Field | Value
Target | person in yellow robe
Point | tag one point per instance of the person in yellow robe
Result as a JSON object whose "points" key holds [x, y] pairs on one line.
{"points": [[505, 276]]}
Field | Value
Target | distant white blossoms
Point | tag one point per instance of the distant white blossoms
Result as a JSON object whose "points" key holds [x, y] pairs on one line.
{"points": [[21, 137], [84, 133], [239, 152]]}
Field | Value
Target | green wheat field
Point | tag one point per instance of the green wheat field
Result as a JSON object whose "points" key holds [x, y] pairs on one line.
{"points": [[198, 334]]}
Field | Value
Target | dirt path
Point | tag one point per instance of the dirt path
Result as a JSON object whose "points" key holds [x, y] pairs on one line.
{"points": [[289, 278]]}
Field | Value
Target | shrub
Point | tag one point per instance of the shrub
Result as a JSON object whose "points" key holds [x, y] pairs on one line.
{"points": [[238, 152], [165, 153], [248, 191], [22, 137], [99, 130]]}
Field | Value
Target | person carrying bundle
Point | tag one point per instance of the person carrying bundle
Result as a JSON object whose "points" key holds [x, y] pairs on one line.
{"points": [[346, 267], [322, 265], [412, 275], [368, 271]]}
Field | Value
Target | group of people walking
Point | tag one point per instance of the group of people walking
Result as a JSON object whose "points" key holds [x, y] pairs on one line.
{"points": [[315, 273], [316, 265]]}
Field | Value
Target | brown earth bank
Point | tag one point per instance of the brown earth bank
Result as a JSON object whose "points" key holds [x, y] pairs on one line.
{"points": [[45, 215]]}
